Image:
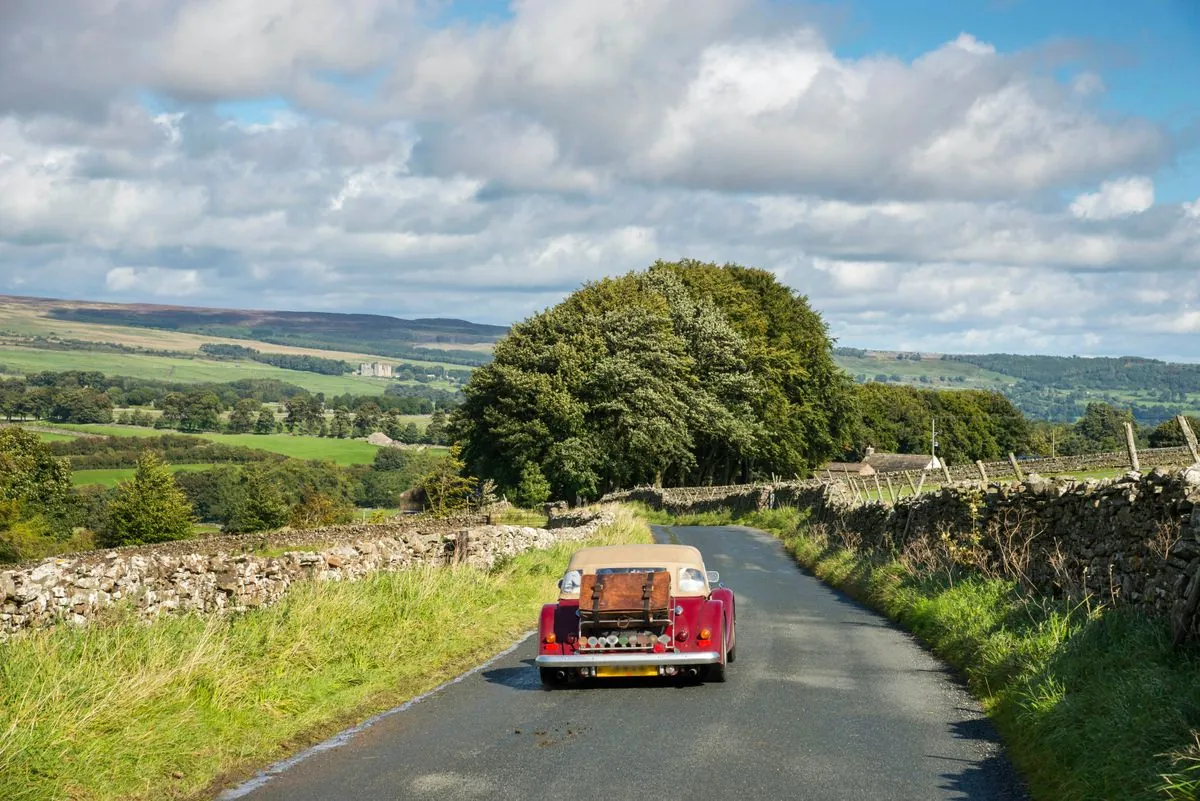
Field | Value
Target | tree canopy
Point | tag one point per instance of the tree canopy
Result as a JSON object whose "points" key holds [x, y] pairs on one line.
{"points": [[685, 373]]}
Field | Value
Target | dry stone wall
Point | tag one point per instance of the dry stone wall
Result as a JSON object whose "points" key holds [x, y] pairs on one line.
{"points": [[1131, 541], [230, 575]]}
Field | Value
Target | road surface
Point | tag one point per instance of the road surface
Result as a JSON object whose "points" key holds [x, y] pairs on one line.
{"points": [[826, 701]]}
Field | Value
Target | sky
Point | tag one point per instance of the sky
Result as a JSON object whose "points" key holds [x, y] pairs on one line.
{"points": [[937, 175]]}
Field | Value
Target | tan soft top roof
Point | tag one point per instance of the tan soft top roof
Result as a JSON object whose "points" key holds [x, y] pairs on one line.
{"points": [[635, 556]]}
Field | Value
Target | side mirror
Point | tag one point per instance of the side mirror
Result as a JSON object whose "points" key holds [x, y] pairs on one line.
{"points": [[714, 577]]}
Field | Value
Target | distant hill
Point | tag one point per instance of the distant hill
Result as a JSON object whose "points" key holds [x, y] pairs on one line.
{"points": [[1043, 387], [444, 340]]}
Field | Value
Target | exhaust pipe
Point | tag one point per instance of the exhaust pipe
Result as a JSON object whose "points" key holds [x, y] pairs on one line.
{"points": [[692, 673], [561, 675]]}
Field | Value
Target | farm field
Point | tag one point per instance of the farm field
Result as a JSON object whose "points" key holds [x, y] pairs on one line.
{"points": [[20, 360], [28, 318], [110, 477], [341, 451], [910, 372]]}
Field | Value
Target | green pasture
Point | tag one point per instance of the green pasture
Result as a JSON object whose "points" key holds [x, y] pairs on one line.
{"points": [[341, 451], [110, 477], [190, 371], [910, 372]]}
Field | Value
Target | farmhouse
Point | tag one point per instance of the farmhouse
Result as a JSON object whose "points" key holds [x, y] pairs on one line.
{"points": [[898, 462]]}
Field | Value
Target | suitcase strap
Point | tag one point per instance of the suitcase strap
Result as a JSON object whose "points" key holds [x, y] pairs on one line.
{"points": [[647, 589], [597, 591]]}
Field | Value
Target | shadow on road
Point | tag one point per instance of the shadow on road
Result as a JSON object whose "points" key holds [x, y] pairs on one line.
{"points": [[989, 778], [525, 677]]}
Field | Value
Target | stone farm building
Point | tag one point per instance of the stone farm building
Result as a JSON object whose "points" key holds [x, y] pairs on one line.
{"points": [[873, 463], [375, 369]]}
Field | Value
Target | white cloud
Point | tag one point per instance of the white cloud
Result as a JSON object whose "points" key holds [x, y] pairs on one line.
{"points": [[154, 281], [485, 171], [1117, 198]]}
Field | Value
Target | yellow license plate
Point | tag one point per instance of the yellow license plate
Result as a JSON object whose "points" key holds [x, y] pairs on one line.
{"points": [[609, 671]]}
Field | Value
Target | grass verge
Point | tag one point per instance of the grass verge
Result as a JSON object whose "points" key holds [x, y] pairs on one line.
{"points": [[1093, 703], [124, 710]]}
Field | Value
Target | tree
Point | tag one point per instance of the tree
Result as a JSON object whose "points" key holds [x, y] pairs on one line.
{"points": [[1169, 434], [1102, 427], [533, 490], [258, 504], [686, 373], [436, 430], [265, 423], [241, 419], [317, 509], [446, 489], [30, 473], [366, 421], [148, 508], [342, 425]]}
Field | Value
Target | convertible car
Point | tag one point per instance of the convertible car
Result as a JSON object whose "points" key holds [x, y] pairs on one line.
{"points": [[637, 610]]}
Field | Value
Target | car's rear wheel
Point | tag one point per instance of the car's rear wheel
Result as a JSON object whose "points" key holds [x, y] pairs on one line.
{"points": [[731, 654]]}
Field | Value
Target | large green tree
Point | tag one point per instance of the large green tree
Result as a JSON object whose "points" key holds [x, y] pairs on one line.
{"points": [[684, 373]]}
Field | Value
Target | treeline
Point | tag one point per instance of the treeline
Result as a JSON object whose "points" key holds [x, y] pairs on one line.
{"points": [[288, 361], [91, 453], [971, 424], [686, 373], [1076, 372], [41, 513], [986, 425], [90, 397]]}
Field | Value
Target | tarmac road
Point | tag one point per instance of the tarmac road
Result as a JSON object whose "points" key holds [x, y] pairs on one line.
{"points": [[825, 701]]}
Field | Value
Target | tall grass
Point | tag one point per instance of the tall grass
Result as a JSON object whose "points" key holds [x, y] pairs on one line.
{"points": [[1093, 703], [127, 710]]}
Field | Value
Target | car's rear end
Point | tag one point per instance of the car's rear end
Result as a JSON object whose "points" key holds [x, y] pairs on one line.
{"points": [[633, 611]]}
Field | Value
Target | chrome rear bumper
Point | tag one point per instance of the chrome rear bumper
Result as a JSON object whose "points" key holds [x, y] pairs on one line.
{"points": [[627, 660]]}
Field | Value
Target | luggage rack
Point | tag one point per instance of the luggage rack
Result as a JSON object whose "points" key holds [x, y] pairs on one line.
{"points": [[625, 628]]}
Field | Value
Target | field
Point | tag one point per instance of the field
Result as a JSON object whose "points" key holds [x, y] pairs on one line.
{"points": [[20, 360], [27, 317], [910, 372], [341, 451], [112, 477]]}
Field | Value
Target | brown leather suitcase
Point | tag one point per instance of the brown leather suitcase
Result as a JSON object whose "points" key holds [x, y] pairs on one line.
{"points": [[644, 595]]}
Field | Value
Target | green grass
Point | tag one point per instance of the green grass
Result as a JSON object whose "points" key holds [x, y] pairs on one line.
{"points": [[910, 372], [341, 451], [1092, 703], [116, 709], [189, 371], [110, 477], [520, 517], [46, 436]]}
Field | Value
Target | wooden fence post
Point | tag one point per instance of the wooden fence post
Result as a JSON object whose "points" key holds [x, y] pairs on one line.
{"points": [[1189, 436], [1012, 459], [1131, 446], [920, 483], [891, 489], [878, 486], [911, 483], [982, 470], [945, 470]]}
